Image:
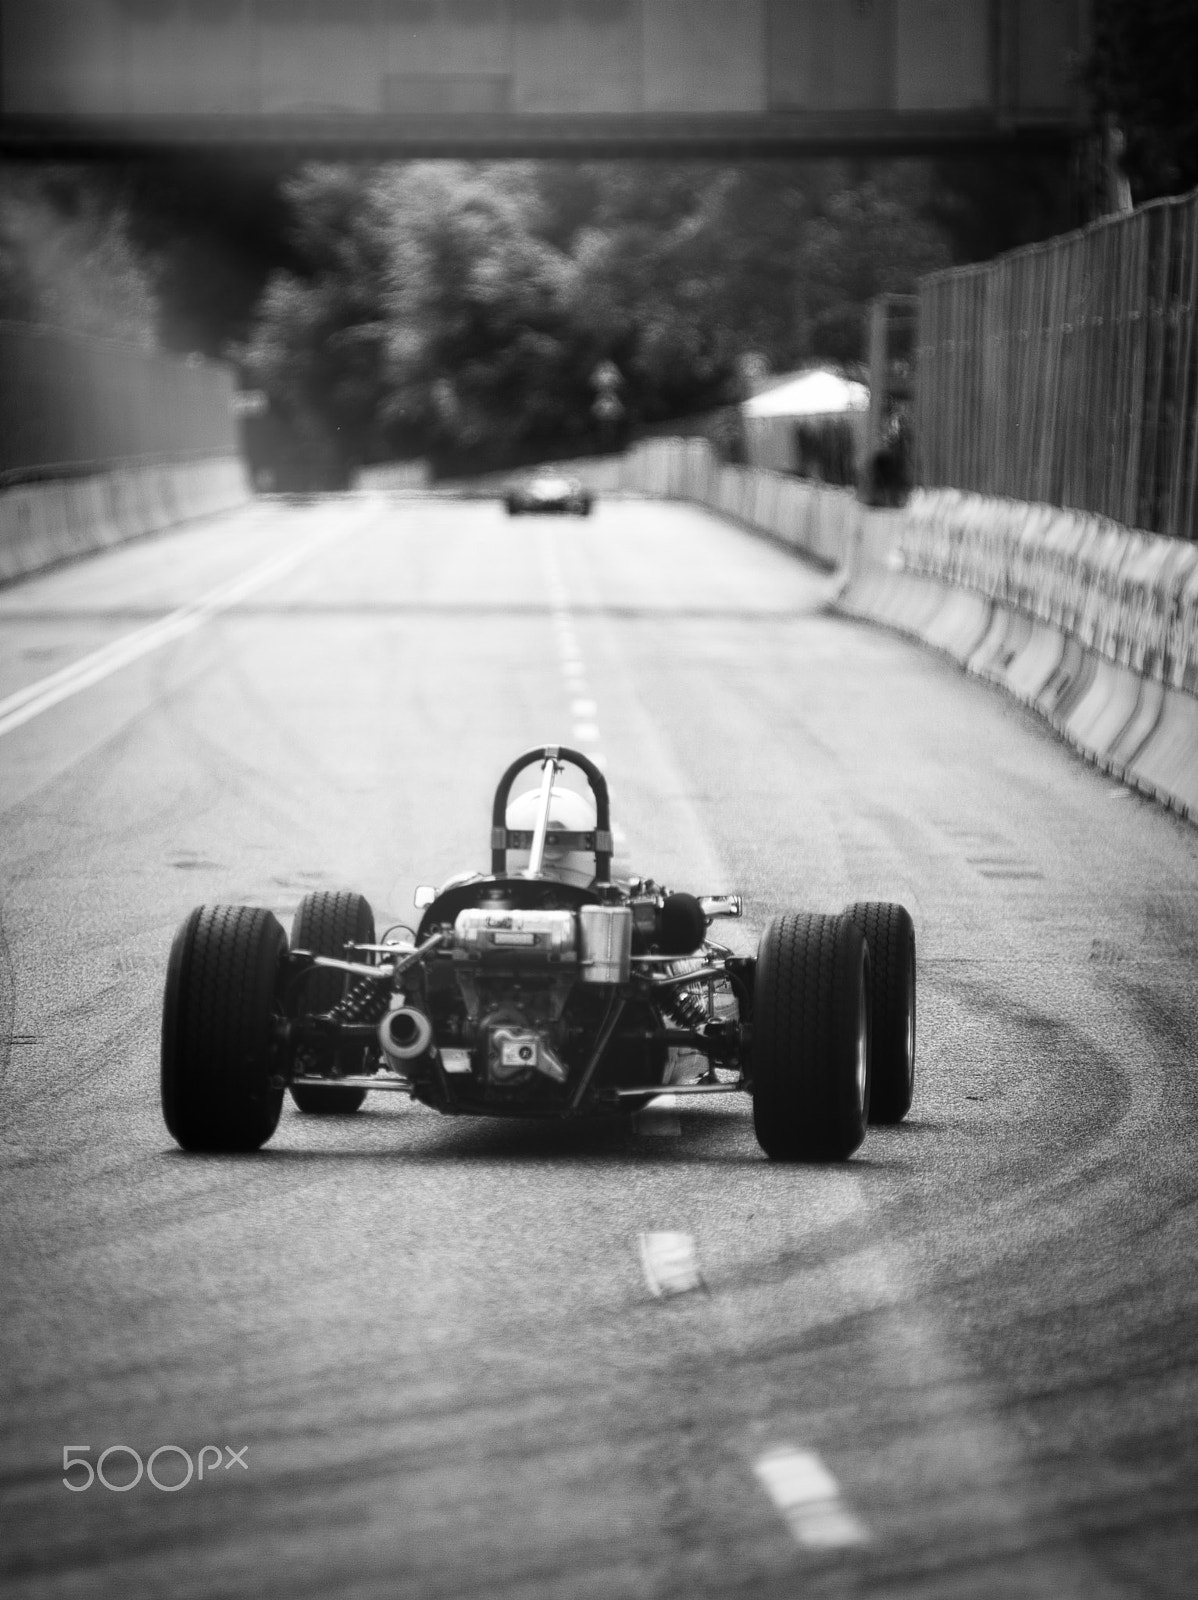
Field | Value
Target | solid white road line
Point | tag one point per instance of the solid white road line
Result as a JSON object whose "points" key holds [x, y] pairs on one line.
{"points": [[35, 698], [669, 1263], [809, 1497]]}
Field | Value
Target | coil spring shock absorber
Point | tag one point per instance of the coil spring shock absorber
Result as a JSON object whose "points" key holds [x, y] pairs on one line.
{"points": [[688, 1004], [366, 1001]]}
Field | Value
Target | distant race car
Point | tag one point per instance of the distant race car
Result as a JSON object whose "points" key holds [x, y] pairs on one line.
{"points": [[548, 492], [541, 989]]}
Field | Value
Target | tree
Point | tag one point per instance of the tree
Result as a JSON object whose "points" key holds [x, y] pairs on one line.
{"points": [[481, 357], [459, 310], [211, 229], [1140, 75], [318, 348], [66, 259]]}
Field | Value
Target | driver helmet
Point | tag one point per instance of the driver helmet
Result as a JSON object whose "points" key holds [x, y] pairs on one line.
{"points": [[569, 812]]}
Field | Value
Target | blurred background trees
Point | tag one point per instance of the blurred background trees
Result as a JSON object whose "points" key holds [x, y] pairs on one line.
{"points": [[1140, 82], [461, 310]]}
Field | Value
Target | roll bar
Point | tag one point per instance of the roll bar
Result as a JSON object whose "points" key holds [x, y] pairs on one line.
{"points": [[504, 838]]}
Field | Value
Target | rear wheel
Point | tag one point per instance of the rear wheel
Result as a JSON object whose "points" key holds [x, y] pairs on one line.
{"points": [[810, 1050], [890, 934], [218, 1016], [325, 922]]}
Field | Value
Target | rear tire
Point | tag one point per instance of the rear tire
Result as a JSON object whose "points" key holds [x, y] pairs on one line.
{"points": [[324, 922], [890, 934], [810, 1049], [218, 1013]]}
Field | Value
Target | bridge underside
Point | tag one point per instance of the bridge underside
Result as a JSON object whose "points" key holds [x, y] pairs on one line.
{"points": [[477, 78], [540, 136]]}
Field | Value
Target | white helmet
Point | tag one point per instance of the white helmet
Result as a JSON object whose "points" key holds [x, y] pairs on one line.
{"points": [[568, 813]]}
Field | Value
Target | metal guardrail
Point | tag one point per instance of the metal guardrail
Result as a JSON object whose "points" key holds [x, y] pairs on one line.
{"points": [[71, 404], [1067, 372]]}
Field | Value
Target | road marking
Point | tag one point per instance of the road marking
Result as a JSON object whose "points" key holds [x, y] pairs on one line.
{"points": [[669, 1263], [35, 698], [809, 1497], [659, 1119], [585, 730]]}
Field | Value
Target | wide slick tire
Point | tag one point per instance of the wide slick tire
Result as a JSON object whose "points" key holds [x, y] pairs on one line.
{"points": [[810, 1049], [218, 1029], [890, 934], [324, 922]]}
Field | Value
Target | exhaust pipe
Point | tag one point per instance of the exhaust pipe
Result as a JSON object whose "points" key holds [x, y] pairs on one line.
{"points": [[404, 1034]]}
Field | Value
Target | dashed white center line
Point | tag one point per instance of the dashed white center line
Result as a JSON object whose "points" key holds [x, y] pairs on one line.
{"points": [[809, 1497], [583, 708], [669, 1263]]}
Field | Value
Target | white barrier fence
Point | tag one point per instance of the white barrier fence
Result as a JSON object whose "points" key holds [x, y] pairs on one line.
{"points": [[42, 524], [1132, 597], [817, 519], [1092, 624]]}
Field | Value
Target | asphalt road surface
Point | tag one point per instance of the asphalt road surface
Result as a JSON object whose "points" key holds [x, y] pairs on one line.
{"points": [[427, 1353]]}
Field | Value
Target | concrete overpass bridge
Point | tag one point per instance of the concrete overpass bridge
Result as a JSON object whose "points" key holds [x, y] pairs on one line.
{"points": [[398, 78]]}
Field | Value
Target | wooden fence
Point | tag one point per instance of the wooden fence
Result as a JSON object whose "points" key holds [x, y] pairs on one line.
{"points": [[1067, 372]]}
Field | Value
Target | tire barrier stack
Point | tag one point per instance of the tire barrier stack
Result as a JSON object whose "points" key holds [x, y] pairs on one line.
{"points": [[42, 524], [1092, 625]]}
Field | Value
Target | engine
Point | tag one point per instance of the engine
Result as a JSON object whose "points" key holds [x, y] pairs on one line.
{"points": [[516, 969], [504, 937]]}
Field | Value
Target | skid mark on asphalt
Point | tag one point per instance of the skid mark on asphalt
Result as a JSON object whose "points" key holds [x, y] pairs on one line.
{"points": [[935, 1462], [71, 680], [809, 1497]]}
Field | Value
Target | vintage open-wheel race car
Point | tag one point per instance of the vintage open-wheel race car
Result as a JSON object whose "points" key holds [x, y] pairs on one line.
{"points": [[540, 990], [547, 494]]}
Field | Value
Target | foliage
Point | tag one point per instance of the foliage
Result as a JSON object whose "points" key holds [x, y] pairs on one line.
{"points": [[1140, 76], [210, 228], [66, 259], [462, 309], [319, 343], [482, 354]]}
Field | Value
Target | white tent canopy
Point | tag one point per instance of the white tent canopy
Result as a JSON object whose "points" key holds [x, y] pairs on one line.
{"points": [[811, 394]]}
